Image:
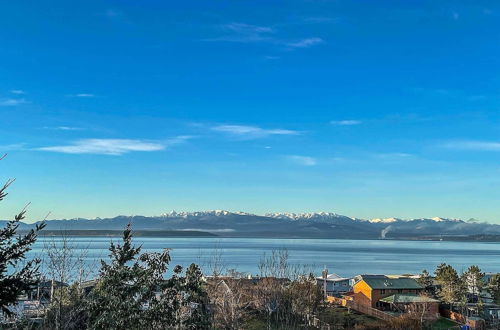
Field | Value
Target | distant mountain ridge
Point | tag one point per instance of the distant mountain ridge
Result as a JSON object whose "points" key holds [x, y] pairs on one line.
{"points": [[291, 225]]}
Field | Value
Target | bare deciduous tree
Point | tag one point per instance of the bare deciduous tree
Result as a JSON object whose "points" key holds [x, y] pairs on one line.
{"points": [[65, 262], [277, 264], [287, 295], [230, 301]]}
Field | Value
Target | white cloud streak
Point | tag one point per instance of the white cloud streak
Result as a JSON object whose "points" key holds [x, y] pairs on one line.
{"points": [[244, 33], [349, 122], [474, 145], [113, 147], [14, 146], [305, 43], [64, 128], [84, 95], [252, 132], [248, 33], [248, 28], [12, 102], [302, 160]]}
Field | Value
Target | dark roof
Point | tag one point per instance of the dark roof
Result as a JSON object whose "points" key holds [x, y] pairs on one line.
{"points": [[392, 283], [363, 276]]}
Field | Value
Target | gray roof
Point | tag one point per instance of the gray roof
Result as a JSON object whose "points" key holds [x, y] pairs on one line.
{"points": [[407, 298], [333, 278], [392, 283]]}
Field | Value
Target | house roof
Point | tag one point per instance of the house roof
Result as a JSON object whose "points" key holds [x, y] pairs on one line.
{"points": [[363, 276], [333, 278], [392, 283], [407, 298]]}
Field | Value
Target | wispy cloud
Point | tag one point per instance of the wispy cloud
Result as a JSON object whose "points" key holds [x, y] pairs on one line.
{"points": [[302, 160], [474, 145], [17, 91], [242, 32], [248, 33], [349, 122], [113, 147], [64, 128], [305, 43], [83, 95], [252, 132], [394, 155], [248, 28], [12, 102], [14, 146]]}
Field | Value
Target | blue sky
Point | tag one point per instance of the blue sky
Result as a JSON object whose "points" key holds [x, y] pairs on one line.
{"points": [[364, 108]]}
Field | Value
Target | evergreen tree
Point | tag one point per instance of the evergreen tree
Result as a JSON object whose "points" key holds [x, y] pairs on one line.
{"points": [[449, 282], [474, 278], [426, 281], [494, 288], [474, 285], [196, 299], [16, 274], [462, 294], [133, 293]]}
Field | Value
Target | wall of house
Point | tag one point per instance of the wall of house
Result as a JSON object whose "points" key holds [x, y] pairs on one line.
{"points": [[339, 286], [335, 286], [361, 288]]}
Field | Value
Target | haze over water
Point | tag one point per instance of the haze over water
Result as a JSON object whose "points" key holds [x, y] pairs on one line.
{"points": [[345, 257]]}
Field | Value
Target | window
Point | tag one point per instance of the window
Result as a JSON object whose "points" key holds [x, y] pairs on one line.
{"points": [[382, 291], [400, 291]]}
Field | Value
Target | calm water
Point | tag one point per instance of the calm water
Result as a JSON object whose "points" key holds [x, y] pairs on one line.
{"points": [[345, 257]]}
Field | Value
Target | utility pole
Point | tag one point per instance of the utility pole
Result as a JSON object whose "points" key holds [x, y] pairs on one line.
{"points": [[80, 278], [51, 289], [325, 276]]}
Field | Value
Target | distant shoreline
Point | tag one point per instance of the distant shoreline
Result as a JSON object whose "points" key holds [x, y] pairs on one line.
{"points": [[119, 233], [205, 234]]}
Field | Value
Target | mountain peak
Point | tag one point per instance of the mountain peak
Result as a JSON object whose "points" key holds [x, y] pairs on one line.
{"points": [[300, 216], [386, 220]]}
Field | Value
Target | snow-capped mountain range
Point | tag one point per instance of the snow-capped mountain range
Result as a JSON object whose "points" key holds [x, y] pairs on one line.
{"points": [[301, 225]]}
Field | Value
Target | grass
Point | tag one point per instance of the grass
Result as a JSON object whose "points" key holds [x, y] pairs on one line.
{"points": [[340, 316], [255, 324], [444, 324]]}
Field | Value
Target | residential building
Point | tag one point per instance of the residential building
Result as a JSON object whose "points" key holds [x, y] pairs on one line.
{"points": [[369, 290], [335, 284]]}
